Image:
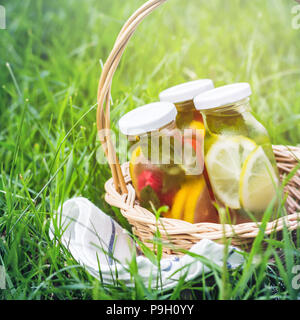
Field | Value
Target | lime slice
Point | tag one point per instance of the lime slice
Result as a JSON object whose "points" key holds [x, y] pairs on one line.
{"points": [[258, 182], [224, 162]]}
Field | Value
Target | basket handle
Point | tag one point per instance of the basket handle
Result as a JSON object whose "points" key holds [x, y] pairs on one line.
{"points": [[104, 90]]}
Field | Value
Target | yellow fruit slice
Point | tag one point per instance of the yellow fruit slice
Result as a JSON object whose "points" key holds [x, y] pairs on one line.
{"points": [[224, 162], [258, 182], [196, 187], [179, 202], [135, 154], [197, 125]]}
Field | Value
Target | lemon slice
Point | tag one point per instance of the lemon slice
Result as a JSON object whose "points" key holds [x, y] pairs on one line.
{"points": [[258, 182], [197, 125], [134, 156], [196, 187], [224, 162]]}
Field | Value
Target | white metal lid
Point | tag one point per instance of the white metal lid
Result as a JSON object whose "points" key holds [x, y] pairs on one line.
{"points": [[222, 96], [186, 91], [147, 118]]}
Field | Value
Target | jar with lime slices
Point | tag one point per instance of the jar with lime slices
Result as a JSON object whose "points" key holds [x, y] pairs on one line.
{"points": [[164, 166], [238, 153]]}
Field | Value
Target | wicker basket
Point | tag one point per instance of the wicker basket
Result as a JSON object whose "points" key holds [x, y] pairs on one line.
{"points": [[178, 234]]}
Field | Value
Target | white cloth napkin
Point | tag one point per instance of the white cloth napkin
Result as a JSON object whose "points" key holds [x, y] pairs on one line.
{"points": [[99, 244]]}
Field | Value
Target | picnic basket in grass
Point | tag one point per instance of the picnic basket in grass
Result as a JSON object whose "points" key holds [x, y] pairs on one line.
{"points": [[179, 234]]}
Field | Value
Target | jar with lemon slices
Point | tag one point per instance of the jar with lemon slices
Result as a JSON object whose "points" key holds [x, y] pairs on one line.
{"points": [[166, 167], [238, 153]]}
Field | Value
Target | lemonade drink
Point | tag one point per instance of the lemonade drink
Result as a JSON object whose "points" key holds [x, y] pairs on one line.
{"points": [[188, 118], [238, 153], [161, 174]]}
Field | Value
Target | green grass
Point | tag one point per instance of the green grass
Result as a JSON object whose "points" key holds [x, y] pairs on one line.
{"points": [[48, 135]]}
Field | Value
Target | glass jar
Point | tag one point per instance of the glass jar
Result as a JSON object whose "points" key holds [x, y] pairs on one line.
{"points": [[238, 153], [166, 167], [182, 96], [188, 117]]}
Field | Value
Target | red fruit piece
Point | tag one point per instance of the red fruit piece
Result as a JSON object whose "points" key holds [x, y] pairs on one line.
{"points": [[195, 144], [167, 198], [150, 178], [198, 116]]}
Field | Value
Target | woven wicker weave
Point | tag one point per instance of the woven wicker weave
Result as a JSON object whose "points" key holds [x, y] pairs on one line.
{"points": [[177, 233]]}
